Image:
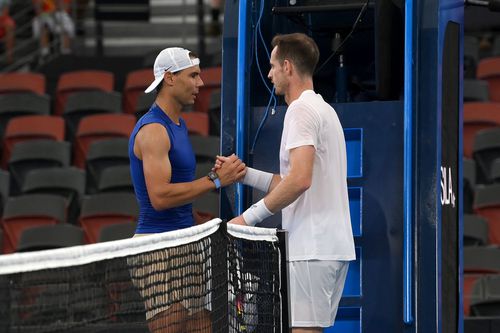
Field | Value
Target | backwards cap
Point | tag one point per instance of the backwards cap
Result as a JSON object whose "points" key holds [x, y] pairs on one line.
{"points": [[172, 59]]}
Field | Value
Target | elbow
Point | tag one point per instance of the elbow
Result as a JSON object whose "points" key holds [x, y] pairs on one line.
{"points": [[158, 204], [303, 184]]}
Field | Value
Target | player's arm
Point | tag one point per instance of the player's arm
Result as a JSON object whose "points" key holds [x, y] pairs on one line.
{"points": [[152, 146], [285, 191]]}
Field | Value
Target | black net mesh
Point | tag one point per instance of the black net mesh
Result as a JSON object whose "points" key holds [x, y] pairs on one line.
{"points": [[219, 283]]}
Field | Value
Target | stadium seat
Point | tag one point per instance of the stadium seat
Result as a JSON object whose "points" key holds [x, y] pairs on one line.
{"points": [[476, 91], [22, 82], [135, 84], [104, 154], [478, 116], [102, 209], [469, 174], [144, 103], [68, 183], [475, 230], [489, 69], [212, 77], [21, 104], [478, 261], [487, 205], [36, 154], [196, 122], [26, 128], [100, 127], [495, 170], [116, 231], [83, 80], [486, 149], [85, 103], [205, 147], [4, 189], [50, 237], [116, 179], [26, 211], [486, 297]]}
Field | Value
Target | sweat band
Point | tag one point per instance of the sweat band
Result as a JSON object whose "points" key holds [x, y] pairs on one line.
{"points": [[256, 213], [258, 179]]}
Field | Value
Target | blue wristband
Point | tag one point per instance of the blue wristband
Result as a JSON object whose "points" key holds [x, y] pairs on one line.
{"points": [[217, 183]]}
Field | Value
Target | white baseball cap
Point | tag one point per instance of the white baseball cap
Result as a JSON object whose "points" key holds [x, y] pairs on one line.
{"points": [[171, 59]]}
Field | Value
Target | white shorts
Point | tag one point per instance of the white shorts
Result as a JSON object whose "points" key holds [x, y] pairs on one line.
{"points": [[315, 290]]}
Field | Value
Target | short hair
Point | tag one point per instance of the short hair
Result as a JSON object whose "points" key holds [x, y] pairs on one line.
{"points": [[300, 49]]}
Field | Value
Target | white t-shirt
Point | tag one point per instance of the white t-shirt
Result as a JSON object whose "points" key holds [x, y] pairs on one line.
{"points": [[318, 222]]}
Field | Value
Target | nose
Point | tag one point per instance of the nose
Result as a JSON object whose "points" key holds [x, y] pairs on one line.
{"points": [[200, 82], [269, 76]]}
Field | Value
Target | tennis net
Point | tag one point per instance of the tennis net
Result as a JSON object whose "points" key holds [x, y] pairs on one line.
{"points": [[209, 278]]}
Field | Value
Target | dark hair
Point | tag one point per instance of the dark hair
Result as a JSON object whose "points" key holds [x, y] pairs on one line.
{"points": [[298, 48]]}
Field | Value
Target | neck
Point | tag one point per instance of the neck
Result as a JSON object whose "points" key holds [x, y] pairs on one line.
{"points": [[169, 106], [296, 88]]}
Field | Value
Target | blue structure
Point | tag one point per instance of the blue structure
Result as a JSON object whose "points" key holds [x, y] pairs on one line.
{"points": [[394, 77]]}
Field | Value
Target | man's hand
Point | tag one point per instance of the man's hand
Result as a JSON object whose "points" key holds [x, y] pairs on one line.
{"points": [[238, 220], [231, 170], [221, 160]]}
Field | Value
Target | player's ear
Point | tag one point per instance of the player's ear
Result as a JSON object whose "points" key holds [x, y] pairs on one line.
{"points": [[168, 78]]}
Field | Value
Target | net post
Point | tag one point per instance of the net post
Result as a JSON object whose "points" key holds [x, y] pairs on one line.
{"points": [[286, 325]]}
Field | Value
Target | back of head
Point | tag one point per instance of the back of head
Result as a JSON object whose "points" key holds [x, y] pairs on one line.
{"points": [[298, 48]]}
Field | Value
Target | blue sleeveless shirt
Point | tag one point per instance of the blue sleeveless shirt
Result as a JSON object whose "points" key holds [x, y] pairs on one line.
{"points": [[182, 160]]}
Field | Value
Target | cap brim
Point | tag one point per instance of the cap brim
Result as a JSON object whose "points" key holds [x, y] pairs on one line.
{"points": [[153, 85]]}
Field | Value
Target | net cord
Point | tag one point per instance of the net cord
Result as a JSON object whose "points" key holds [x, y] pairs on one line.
{"points": [[85, 254]]}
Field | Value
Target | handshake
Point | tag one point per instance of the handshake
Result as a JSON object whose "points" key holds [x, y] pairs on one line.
{"points": [[230, 169]]}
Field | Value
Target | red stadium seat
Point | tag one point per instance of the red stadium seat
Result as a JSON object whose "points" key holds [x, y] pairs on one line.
{"points": [[31, 128], [489, 70], [81, 81], [26, 211], [103, 209], [22, 82], [100, 127], [135, 84], [196, 122], [478, 116]]}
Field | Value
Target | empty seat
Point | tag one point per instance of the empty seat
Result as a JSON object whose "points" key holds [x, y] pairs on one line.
{"points": [[36, 154], [476, 91], [478, 116], [487, 204], [196, 122], [104, 209], [85, 103], [486, 296], [489, 69], [26, 128], [144, 103], [21, 104], [22, 82], [116, 179], [104, 154], [205, 148], [83, 80], [486, 149], [100, 127], [116, 231], [68, 183], [135, 84], [50, 237], [469, 174], [478, 261], [475, 230], [26, 211]]}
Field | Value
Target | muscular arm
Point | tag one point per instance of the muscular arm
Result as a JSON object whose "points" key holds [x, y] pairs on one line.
{"points": [[152, 146], [285, 191]]}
